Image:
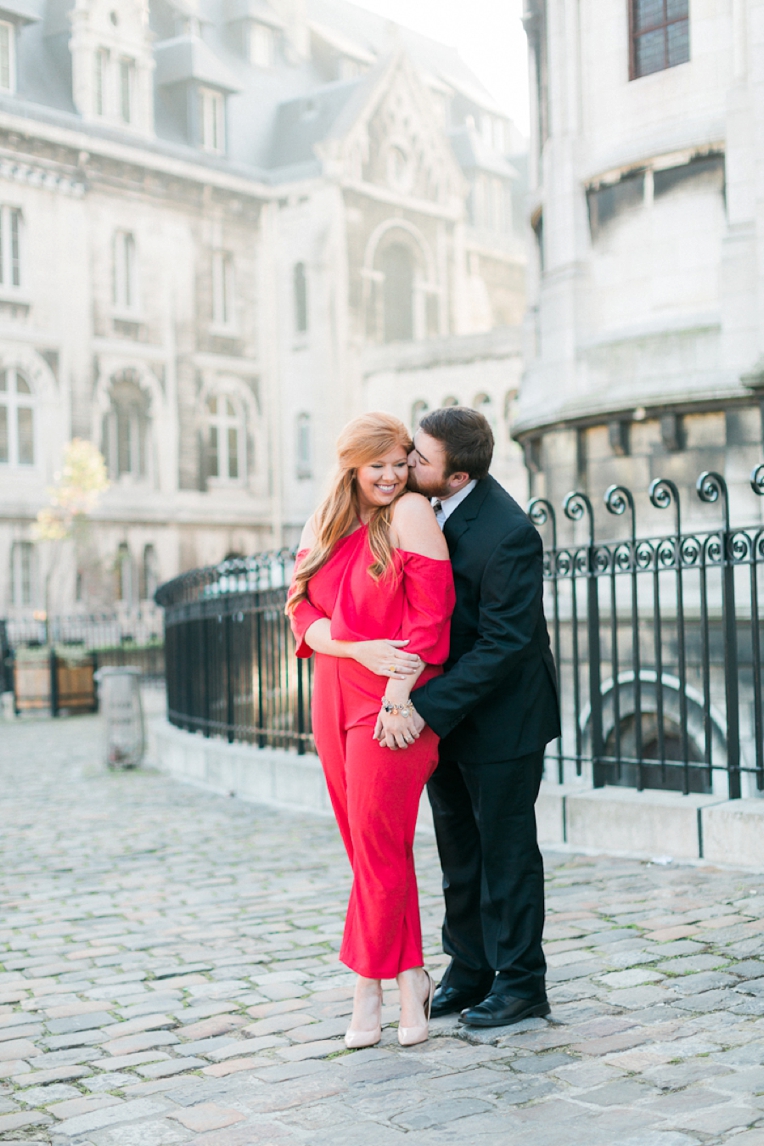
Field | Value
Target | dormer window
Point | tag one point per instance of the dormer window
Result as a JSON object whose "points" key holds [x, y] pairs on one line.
{"points": [[211, 120], [7, 57], [262, 45], [348, 69]]}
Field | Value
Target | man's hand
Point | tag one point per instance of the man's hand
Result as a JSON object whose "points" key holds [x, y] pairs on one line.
{"points": [[397, 731]]}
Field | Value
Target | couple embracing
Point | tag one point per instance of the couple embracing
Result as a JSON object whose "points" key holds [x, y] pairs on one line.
{"points": [[419, 588]]}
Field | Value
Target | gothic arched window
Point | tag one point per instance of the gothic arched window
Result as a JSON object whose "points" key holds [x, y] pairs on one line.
{"points": [[17, 429], [418, 411], [125, 429], [226, 441], [483, 403], [397, 266]]}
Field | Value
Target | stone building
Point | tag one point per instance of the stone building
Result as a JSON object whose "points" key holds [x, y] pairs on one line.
{"points": [[225, 228], [645, 335]]}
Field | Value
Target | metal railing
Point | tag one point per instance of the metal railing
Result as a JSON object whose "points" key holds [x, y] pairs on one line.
{"points": [[129, 637], [658, 646], [230, 664], [105, 630], [657, 640]]}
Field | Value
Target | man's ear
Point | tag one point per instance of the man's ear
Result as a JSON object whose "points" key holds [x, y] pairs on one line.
{"points": [[458, 480]]}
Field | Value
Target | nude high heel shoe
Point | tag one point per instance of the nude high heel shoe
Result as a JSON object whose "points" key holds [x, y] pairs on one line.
{"points": [[354, 1040], [410, 1036]]}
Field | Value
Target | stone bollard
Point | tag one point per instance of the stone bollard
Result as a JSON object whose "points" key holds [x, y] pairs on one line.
{"points": [[120, 703]]}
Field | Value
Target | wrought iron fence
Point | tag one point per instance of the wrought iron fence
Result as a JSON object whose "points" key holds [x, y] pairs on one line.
{"points": [[230, 663], [129, 637], [657, 641], [106, 630], [658, 646]]}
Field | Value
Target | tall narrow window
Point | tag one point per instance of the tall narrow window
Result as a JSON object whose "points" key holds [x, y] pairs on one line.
{"points": [[397, 265], [300, 299], [22, 573], [125, 430], [226, 439], [211, 120], [124, 573], [660, 35], [124, 271], [262, 46], [126, 87], [10, 246], [304, 446], [100, 73], [17, 429], [222, 289], [149, 573], [7, 57]]}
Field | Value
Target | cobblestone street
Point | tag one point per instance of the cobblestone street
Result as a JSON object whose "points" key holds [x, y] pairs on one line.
{"points": [[169, 974]]}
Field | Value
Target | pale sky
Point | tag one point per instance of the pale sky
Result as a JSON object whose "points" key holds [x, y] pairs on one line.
{"points": [[489, 36]]}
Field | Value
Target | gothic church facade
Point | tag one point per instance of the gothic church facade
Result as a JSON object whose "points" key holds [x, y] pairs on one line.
{"points": [[224, 229]]}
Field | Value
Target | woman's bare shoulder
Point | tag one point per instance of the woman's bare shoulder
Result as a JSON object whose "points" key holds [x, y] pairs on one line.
{"points": [[416, 528], [308, 535]]}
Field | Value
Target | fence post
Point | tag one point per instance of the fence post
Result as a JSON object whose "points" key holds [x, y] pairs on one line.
{"points": [[712, 487], [541, 511], [575, 506], [300, 713], [229, 678], [53, 683]]}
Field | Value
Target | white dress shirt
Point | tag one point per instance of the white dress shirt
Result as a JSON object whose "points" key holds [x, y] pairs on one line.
{"points": [[445, 506]]}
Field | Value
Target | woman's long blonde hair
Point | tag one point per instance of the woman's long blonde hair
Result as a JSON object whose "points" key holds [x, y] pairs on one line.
{"points": [[366, 438]]}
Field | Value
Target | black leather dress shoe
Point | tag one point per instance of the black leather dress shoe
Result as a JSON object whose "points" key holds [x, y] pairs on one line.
{"points": [[502, 1010], [451, 1000]]}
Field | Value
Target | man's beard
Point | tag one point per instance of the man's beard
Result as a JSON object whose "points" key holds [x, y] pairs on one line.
{"points": [[427, 490]]}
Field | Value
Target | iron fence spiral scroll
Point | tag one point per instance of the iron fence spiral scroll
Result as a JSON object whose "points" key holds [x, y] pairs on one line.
{"points": [[657, 640], [658, 643]]}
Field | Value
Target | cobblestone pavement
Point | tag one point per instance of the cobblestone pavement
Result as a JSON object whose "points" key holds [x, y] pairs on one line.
{"points": [[168, 974]]}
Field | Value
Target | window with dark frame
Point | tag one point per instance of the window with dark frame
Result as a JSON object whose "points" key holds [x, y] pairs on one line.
{"points": [[659, 35]]}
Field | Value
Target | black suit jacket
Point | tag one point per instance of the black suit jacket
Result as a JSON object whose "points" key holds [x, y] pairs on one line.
{"points": [[498, 697]]}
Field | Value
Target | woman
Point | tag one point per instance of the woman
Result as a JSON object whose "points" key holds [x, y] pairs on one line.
{"points": [[372, 596]]}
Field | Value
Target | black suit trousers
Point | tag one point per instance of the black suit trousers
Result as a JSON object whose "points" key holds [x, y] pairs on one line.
{"points": [[493, 873]]}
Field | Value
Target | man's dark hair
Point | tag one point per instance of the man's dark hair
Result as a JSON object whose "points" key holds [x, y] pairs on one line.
{"points": [[466, 437]]}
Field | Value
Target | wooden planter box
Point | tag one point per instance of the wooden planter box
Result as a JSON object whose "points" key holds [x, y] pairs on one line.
{"points": [[47, 680], [31, 684]]}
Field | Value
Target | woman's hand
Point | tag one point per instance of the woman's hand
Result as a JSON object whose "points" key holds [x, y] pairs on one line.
{"points": [[386, 658]]}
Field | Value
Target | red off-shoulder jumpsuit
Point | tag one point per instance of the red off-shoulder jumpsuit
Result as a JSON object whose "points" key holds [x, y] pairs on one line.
{"points": [[375, 792]]}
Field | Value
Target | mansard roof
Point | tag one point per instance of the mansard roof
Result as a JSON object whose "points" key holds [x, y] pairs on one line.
{"points": [[277, 117], [185, 58]]}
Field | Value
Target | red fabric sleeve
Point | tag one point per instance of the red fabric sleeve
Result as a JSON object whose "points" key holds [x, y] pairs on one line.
{"points": [[429, 599], [303, 617]]}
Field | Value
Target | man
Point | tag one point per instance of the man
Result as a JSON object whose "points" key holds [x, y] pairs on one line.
{"points": [[495, 709]]}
